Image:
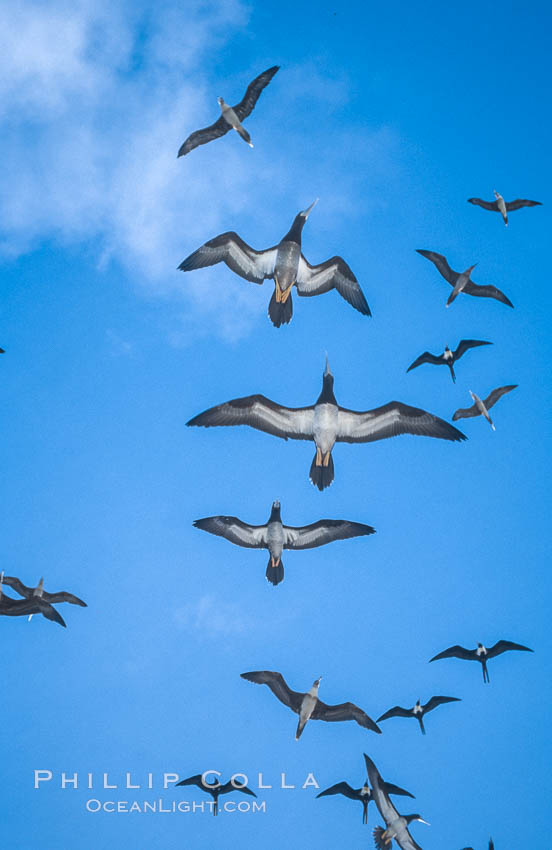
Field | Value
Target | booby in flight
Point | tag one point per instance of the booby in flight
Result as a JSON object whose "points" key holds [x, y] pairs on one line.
{"points": [[481, 408], [232, 116], [285, 264], [275, 536], [215, 789], [34, 604], [396, 824], [481, 654], [418, 710], [326, 423], [461, 281], [448, 357], [363, 795], [307, 705], [502, 206]]}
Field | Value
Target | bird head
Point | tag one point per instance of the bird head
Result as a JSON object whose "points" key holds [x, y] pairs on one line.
{"points": [[410, 818], [276, 504], [316, 683], [307, 212], [221, 102], [496, 194]]}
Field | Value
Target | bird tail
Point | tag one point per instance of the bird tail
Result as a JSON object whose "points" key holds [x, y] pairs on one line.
{"points": [[300, 726], [452, 375], [364, 812], [451, 298], [422, 727], [379, 841], [275, 575], [280, 312], [322, 476], [486, 677], [245, 135]]}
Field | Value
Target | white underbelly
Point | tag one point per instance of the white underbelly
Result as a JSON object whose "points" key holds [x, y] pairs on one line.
{"points": [[325, 426]]}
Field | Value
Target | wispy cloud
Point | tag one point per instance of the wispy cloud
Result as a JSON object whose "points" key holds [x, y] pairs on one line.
{"points": [[211, 618]]}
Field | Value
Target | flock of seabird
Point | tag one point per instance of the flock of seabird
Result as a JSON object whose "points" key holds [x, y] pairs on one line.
{"points": [[324, 423]]}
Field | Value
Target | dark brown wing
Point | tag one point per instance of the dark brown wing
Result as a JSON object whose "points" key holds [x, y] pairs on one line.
{"points": [[456, 652], [519, 203], [278, 686], [397, 711], [493, 397], [207, 134], [465, 344], [18, 586], [343, 711], [427, 357], [254, 89], [486, 292], [341, 788], [261, 413], [487, 205], [231, 249], [466, 412], [234, 530], [505, 646], [332, 274], [435, 701], [390, 420], [322, 532], [440, 262]]}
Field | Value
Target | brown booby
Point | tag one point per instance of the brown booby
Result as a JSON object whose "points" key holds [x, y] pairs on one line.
{"points": [[461, 282], [481, 408], [502, 206]]}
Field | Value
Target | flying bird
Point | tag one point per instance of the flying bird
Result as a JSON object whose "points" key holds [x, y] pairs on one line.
{"points": [[326, 423], [35, 604], [363, 795], [448, 357], [461, 282], [418, 711], [481, 408], [502, 206], [491, 845], [275, 536], [215, 789], [2, 351], [481, 654], [231, 117], [30, 592], [396, 825], [285, 264], [307, 705]]}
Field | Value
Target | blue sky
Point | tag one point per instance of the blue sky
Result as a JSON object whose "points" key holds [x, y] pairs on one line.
{"points": [[393, 118]]}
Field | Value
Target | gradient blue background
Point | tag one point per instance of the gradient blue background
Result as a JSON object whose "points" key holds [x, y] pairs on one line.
{"points": [[393, 117]]}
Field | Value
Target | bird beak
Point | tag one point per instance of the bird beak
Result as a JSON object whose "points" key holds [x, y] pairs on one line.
{"points": [[327, 370], [424, 821], [306, 212]]}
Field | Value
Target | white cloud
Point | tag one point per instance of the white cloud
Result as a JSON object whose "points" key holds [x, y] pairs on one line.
{"points": [[210, 618]]}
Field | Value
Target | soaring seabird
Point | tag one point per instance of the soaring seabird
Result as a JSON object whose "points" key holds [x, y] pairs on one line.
{"points": [[30, 592], [461, 281], [364, 794], [275, 536], [215, 789], [481, 408], [232, 116], [448, 357], [481, 654], [34, 604], [418, 710], [285, 264], [502, 206], [326, 423], [396, 824], [308, 706]]}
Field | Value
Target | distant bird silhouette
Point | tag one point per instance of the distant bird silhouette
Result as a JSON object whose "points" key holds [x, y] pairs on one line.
{"points": [[418, 711], [481, 654], [2, 351], [491, 845], [215, 789], [481, 408], [285, 264], [231, 117], [363, 795], [461, 282], [275, 536], [326, 423], [396, 825], [307, 705], [448, 357], [502, 206]]}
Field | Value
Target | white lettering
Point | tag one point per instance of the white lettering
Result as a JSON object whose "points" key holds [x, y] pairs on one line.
{"points": [[65, 780], [283, 783], [310, 782], [42, 776]]}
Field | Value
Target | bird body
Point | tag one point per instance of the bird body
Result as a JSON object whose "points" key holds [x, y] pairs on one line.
{"points": [[480, 407], [275, 536], [308, 705], [465, 285], [418, 711], [502, 206], [326, 423], [215, 789], [481, 653], [448, 357], [231, 116], [396, 825], [285, 264]]}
